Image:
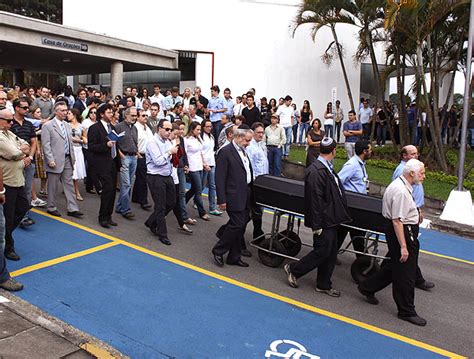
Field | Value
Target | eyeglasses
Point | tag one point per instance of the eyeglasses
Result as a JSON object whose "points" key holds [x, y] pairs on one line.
{"points": [[24, 107], [6, 119], [166, 129]]}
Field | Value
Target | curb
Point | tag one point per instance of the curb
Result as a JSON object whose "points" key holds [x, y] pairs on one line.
{"points": [[82, 340]]}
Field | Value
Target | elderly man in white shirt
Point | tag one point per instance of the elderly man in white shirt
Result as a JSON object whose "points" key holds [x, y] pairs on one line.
{"points": [[140, 188]]}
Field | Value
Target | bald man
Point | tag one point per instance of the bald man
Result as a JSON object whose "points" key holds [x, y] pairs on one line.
{"points": [[407, 153]]}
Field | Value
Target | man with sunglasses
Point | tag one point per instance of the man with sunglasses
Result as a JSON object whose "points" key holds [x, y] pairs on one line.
{"points": [[159, 151], [13, 151], [26, 131]]}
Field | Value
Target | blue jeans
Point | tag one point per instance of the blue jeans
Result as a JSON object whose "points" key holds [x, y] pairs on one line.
{"points": [[216, 130], [209, 181], [303, 127], [274, 160], [288, 133], [4, 275], [182, 193], [329, 131], [196, 191], [127, 171]]}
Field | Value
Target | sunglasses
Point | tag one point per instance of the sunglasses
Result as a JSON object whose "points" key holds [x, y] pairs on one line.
{"points": [[24, 107], [143, 116], [166, 129], [6, 119]]}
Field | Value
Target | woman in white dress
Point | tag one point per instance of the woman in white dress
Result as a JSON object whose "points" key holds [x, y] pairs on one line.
{"points": [[75, 119]]}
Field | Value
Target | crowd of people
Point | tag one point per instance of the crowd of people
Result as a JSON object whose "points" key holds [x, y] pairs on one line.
{"points": [[140, 144]]}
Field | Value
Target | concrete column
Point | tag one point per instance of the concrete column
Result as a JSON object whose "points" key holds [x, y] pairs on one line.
{"points": [[18, 77], [116, 78]]}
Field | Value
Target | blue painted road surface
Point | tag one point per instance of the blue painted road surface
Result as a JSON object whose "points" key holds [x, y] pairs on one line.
{"points": [[148, 307]]}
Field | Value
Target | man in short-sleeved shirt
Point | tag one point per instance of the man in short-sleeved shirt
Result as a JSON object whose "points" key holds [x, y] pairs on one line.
{"points": [[352, 131], [365, 118], [400, 210]]}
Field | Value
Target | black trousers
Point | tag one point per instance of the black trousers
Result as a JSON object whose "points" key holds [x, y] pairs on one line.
{"points": [[357, 238], [257, 218], [177, 207], [15, 207], [231, 235], [402, 275], [140, 188], [108, 179], [91, 179], [323, 256], [163, 192]]}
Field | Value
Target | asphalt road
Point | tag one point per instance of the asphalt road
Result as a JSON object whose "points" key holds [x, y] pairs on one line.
{"points": [[448, 308]]}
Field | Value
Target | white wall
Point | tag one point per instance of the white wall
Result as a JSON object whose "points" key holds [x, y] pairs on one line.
{"points": [[251, 40]]}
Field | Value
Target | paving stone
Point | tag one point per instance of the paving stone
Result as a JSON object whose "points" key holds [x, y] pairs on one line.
{"points": [[12, 323], [35, 343]]}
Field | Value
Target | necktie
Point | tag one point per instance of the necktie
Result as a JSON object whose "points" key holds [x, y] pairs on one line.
{"points": [[113, 150], [66, 140]]}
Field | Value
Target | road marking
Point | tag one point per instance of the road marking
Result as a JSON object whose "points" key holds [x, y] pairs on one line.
{"points": [[62, 259], [249, 287]]}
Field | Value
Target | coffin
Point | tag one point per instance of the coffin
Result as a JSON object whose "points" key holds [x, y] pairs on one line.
{"points": [[288, 195]]}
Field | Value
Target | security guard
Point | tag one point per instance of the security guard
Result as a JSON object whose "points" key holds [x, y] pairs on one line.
{"points": [[403, 218]]}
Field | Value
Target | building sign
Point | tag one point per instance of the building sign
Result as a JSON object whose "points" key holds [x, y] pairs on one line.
{"points": [[63, 44]]}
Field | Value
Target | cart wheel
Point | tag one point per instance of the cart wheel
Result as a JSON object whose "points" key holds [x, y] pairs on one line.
{"points": [[292, 244], [359, 266], [269, 259]]}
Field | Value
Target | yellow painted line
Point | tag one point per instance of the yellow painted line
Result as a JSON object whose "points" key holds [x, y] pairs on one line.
{"points": [[62, 259], [265, 292], [96, 351]]}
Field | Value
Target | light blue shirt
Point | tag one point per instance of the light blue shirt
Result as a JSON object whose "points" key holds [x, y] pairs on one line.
{"points": [[229, 105], [418, 191], [353, 175], [326, 163], [216, 103], [34, 122], [158, 159], [257, 152], [170, 101]]}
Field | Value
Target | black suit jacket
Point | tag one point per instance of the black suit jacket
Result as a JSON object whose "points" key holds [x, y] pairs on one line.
{"points": [[231, 179], [97, 144], [325, 205], [79, 105]]}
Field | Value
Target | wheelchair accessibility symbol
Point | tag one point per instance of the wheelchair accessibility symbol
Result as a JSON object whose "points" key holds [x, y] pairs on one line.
{"points": [[293, 349]]}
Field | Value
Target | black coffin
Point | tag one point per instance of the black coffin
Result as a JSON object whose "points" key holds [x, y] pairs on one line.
{"points": [[288, 195]]}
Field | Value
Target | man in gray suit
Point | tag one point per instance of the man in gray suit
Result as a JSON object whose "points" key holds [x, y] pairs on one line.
{"points": [[59, 160]]}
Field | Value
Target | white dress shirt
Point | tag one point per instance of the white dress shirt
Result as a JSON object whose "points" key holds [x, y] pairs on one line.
{"points": [[245, 161], [194, 151], [144, 135]]}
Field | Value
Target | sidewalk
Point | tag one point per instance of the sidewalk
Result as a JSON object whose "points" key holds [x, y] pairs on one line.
{"points": [[27, 332]]}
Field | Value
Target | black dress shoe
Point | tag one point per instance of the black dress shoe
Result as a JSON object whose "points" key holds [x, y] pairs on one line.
{"points": [[54, 213], [425, 286], [165, 240], [219, 260], [12, 256], [146, 207], [240, 263], [76, 214], [104, 224], [414, 320], [246, 253], [369, 297], [152, 230], [112, 223]]}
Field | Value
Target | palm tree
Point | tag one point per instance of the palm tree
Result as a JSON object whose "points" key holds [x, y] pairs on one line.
{"points": [[319, 14]]}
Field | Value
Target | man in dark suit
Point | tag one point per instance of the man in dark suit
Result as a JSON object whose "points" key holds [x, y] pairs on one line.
{"points": [[234, 182], [80, 103], [325, 210], [105, 162]]}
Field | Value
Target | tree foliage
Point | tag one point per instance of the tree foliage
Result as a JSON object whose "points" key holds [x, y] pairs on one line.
{"points": [[49, 10]]}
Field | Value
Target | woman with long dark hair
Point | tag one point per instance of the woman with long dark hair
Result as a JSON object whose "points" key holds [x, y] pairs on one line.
{"points": [[306, 118], [194, 150], [329, 120], [209, 177], [314, 137]]}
